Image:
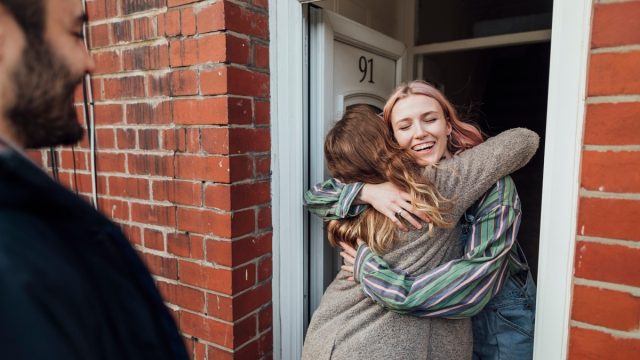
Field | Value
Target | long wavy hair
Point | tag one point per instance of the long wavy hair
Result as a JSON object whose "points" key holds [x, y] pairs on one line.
{"points": [[359, 148], [463, 136]]}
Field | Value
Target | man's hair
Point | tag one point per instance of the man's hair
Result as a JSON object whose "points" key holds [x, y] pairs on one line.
{"points": [[30, 15]]}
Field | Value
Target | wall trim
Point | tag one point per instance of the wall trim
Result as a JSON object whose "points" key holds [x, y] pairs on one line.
{"points": [[571, 29]]}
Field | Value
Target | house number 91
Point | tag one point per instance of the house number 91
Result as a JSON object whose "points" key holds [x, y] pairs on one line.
{"points": [[366, 68]]}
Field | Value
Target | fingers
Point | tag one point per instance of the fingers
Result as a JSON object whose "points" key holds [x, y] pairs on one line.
{"points": [[347, 268], [406, 214], [360, 242], [347, 259], [348, 248], [392, 215]]}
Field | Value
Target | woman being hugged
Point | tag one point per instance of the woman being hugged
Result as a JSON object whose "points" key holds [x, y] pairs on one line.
{"points": [[349, 325]]}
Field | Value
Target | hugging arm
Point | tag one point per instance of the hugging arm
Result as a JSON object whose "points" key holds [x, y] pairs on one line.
{"points": [[334, 199], [459, 288]]}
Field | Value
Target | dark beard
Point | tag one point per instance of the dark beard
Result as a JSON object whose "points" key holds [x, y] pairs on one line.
{"points": [[43, 113]]}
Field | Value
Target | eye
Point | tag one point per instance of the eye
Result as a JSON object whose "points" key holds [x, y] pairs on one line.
{"points": [[78, 34]]}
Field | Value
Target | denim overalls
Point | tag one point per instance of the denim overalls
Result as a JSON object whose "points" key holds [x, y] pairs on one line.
{"points": [[504, 328]]}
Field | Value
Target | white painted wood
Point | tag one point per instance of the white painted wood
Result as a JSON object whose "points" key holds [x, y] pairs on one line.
{"points": [[565, 118], [288, 116], [529, 37], [336, 46]]}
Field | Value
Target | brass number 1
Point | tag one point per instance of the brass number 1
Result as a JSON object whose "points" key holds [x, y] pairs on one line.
{"points": [[366, 67]]}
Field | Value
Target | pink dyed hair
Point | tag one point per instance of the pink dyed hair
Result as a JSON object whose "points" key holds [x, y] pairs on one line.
{"points": [[463, 135]]}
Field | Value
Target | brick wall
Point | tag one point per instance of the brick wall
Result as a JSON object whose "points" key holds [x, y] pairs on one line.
{"points": [[181, 94], [605, 318]]}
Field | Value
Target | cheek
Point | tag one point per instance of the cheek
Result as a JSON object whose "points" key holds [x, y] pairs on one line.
{"points": [[403, 139]]}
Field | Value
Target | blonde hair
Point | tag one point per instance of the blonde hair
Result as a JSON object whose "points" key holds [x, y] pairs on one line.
{"points": [[359, 148]]}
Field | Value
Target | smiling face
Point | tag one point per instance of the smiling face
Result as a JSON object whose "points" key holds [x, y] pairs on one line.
{"points": [[420, 127]]}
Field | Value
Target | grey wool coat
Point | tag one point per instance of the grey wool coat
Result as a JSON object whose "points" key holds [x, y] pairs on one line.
{"points": [[349, 325]]}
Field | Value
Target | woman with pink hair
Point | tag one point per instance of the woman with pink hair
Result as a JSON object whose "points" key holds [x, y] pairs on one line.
{"points": [[435, 284]]}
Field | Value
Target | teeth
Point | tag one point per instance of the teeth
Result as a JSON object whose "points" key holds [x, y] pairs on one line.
{"points": [[423, 147]]}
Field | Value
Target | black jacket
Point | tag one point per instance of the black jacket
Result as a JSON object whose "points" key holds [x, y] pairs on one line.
{"points": [[71, 286]]}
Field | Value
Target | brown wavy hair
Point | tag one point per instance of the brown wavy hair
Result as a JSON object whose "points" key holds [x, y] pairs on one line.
{"points": [[359, 148]]}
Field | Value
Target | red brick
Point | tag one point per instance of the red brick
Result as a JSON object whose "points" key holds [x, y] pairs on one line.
{"points": [[614, 74], [239, 111], [220, 306], [611, 171], [246, 195], [219, 354], [205, 277], [121, 32], [193, 140], [264, 218], [105, 139], [144, 113], [243, 222], [218, 196], [126, 139], [612, 124], [161, 266], [124, 87], [265, 269], [220, 252], [261, 3], [151, 165], [210, 111], [265, 318], [236, 81], [263, 112], [35, 156], [215, 140], [616, 24], [241, 167], [183, 83], [193, 51], [204, 222], [237, 50], [146, 58], [608, 308], [101, 9], [591, 344], [99, 36], [161, 215], [174, 139], [261, 56], [172, 3], [108, 114], [133, 6], [143, 29], [107, 62], [211, 17], [187, 21], [109, 162], [133, 233], [190, 246], [179, 192], [128, 187], [243, 140], [609, 263], [149, 139], [114, 209], [244, 277], [185, 297], [243, 250], [251, 300], [245, 21], [153, 239], [256, 349], [610, 218], [172, 22], [208, 168], [243, 331], [158, 85], [73, 159], [263, 166], [207, 329]]}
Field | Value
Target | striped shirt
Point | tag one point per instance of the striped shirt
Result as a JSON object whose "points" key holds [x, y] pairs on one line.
{"points": [[462, 287], [333, 199]]}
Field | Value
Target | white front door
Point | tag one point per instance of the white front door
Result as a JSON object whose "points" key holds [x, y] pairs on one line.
{"points": [[349, 64]]}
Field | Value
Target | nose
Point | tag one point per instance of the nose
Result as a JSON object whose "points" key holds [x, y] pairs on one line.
{"points": [[420, 130], [89, 62]]}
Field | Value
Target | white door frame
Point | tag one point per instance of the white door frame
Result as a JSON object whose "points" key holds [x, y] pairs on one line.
{"points": [[565, 116]]}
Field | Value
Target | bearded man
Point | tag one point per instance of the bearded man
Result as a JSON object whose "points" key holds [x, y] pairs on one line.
{"points": [[71, 285]]}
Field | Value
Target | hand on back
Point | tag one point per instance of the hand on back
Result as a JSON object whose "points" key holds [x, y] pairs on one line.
{"points": [[392, 202]]}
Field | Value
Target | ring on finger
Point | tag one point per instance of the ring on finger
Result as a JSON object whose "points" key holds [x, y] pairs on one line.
{"points": [[399, 212]]}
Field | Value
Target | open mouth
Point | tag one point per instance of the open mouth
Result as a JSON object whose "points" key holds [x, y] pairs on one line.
{"points": [[424, 147]]}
